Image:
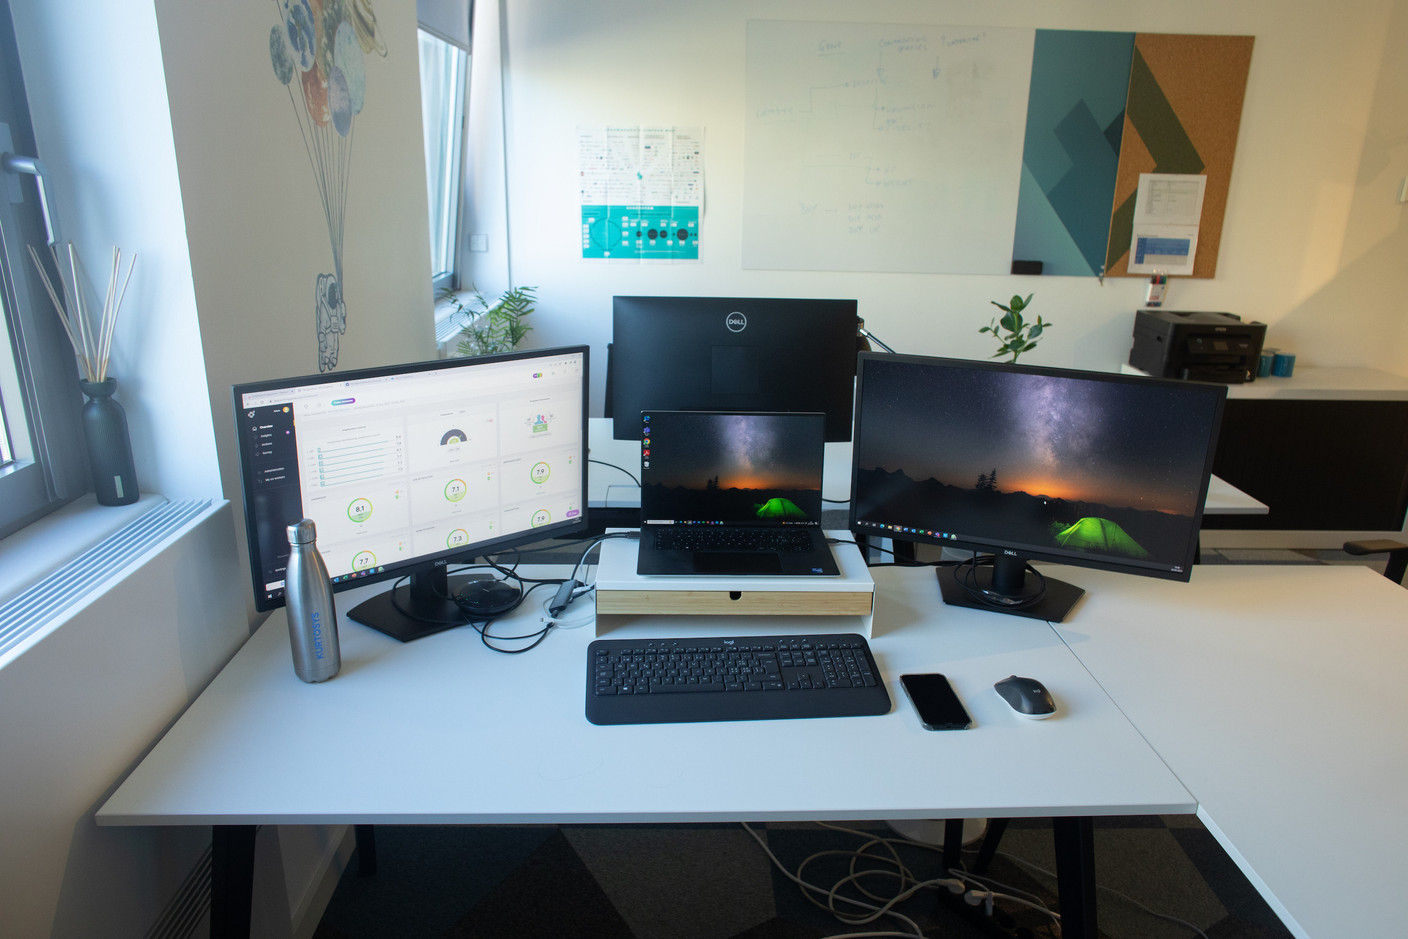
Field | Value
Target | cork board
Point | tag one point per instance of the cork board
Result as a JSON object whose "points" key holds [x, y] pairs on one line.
{"points": [[1185, 105]]}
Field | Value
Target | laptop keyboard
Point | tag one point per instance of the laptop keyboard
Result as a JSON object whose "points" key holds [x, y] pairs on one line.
{"points": [[653, 681], [717, 538]]}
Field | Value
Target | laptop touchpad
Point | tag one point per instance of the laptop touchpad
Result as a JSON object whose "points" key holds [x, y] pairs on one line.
{"points": [[736, 562]]}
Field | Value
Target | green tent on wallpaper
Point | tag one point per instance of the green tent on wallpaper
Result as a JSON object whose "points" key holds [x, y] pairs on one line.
{"points": [[1100, 533]]}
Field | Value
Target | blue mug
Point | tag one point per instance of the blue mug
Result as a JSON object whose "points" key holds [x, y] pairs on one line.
{"points": [[1283, 365], [1263, 365]]}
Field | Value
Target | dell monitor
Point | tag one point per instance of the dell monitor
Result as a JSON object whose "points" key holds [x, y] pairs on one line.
{"points": [[1022, 463], [407, 469], [731, 354]]}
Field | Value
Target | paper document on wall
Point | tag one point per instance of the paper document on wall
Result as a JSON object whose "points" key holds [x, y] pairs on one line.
{"points": [[1168, 209], [642, 189]]}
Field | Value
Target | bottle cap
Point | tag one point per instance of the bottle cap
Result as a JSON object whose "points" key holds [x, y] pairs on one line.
{"points": [[302, 532]]}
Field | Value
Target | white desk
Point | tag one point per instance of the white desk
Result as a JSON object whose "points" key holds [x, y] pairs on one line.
{"points": [[1277, 696], [442, 730]]}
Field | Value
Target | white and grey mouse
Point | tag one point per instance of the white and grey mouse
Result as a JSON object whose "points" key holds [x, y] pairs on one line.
{"points": [[1027, 696]]}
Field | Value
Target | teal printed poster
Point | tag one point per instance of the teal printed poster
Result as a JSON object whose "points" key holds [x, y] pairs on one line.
{"points": [[641, 232], [641, 191]]}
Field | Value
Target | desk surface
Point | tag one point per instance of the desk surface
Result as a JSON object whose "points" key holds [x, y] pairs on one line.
{"points": [[1323, 383], [1276, 694], [442, 730]]}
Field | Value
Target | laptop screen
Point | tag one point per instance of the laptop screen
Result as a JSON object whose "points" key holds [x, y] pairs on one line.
{"points": [[715, 468]]}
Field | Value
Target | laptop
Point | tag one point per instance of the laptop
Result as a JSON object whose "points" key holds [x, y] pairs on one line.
{"points": [[732, 493]]}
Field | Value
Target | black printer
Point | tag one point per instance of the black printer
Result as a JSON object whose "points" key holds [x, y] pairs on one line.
{"points": [[1197, 346]]}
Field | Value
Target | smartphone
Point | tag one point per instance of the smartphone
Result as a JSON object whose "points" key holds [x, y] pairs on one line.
{"points": [[934, 698]]}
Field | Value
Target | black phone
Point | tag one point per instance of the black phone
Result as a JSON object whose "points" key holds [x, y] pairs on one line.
{"points": [[937, 703]]}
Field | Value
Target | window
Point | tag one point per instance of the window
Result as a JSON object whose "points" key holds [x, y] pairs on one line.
{"points": [[444, 70], [42, 463]]}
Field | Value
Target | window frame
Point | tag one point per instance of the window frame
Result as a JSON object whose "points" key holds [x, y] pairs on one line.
{"points": [[449, 279], [50, 467]]}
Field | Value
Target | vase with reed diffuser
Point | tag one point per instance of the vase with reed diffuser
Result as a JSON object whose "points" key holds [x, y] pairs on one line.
{"points": [[104, 422]]}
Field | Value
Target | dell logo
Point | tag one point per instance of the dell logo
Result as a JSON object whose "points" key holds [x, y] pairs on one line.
{"points": [[736, 322]]}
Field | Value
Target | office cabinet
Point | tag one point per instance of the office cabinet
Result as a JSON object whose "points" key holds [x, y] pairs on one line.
{"points": [[1325, 450]]}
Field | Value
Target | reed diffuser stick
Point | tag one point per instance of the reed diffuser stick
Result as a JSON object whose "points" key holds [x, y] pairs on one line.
{"points": [[92, 342]]}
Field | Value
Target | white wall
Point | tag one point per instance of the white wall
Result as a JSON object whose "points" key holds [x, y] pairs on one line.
{"points": [[79, 707], [97, 96], [253, 217], [1312, 242], [167, 133]]}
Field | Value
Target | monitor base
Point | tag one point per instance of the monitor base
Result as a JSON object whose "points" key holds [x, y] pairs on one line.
{"points": [[419, 608], [1053, 606]]}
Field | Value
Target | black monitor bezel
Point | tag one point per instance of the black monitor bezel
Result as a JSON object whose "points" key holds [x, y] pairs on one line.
{"points": [[423, 563], [1216, 393], [828, 324]]}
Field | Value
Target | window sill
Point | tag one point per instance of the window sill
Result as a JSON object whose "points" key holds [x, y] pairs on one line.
{"points": [[35, 551]]}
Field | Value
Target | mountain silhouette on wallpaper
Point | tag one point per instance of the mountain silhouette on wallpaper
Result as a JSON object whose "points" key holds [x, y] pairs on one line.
{"points": [[1021, 517]]}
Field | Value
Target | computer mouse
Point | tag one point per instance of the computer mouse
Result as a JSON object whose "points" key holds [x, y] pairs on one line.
{"points": [[1027, 696]]}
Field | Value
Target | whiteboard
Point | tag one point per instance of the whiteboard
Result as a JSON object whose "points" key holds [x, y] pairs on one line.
{"points": [[893, 148]]}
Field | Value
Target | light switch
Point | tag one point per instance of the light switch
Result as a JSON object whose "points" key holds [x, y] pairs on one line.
{"points": [[479, 242]]}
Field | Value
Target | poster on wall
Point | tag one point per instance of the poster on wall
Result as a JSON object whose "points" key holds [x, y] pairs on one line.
{"points": [[1167, 211], [319, 55], [641, 192]]}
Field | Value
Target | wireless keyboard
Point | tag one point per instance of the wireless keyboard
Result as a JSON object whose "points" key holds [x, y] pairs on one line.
{"points": [[742, 678]]}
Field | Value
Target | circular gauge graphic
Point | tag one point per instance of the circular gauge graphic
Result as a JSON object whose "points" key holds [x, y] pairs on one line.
{"points": [[456, 538], [453, 435], [540, 473], [359, 510], [363, 560], [455, 490], [541, 517]]}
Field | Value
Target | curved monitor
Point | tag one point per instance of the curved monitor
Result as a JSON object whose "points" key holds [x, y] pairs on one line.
{"points": [[732, 354], [409, 468], [1023, 463]]}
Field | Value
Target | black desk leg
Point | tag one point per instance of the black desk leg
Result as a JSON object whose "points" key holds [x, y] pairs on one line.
{"points": [[1075, 876], [953, 844], [996, 827], [231, 880]]}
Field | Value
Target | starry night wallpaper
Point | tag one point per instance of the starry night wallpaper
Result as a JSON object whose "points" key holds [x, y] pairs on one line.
{"points": [[1057, 461], [734, 467]]}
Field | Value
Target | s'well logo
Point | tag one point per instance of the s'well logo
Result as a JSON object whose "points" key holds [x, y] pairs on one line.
{"points": [[736, 322]]}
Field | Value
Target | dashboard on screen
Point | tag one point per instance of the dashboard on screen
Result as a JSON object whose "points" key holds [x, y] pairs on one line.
{"points": [[405, 468]]}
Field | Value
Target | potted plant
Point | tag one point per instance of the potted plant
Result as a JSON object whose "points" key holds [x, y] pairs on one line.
{"points": [[491, 327], [1014, 334]]}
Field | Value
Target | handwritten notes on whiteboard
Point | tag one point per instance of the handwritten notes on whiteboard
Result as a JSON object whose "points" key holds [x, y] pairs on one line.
{"points": [[871, 147]]}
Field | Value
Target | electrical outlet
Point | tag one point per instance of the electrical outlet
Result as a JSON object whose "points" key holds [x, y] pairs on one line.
{"points": [[479, 242]]}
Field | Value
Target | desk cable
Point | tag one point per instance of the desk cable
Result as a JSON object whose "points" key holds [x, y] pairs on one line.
{"points": [[862, 911], [568, 590], [615, 467], [976, 890]]}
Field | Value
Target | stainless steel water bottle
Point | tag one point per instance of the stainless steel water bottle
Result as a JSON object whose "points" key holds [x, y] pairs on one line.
{"points": [[312, 619]]}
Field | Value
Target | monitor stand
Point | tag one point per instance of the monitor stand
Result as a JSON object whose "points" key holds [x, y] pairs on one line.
{"points": [[418, 608], [999, 584]]}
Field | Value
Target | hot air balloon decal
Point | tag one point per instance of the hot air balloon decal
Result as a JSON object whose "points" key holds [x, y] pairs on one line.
{"points": [[319, 55]]}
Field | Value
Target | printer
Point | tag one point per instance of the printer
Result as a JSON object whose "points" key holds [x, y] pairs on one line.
{"points": [[1197, 346]]}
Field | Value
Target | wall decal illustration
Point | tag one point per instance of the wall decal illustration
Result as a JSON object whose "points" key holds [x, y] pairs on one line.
{"points": [[319, 55]]}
